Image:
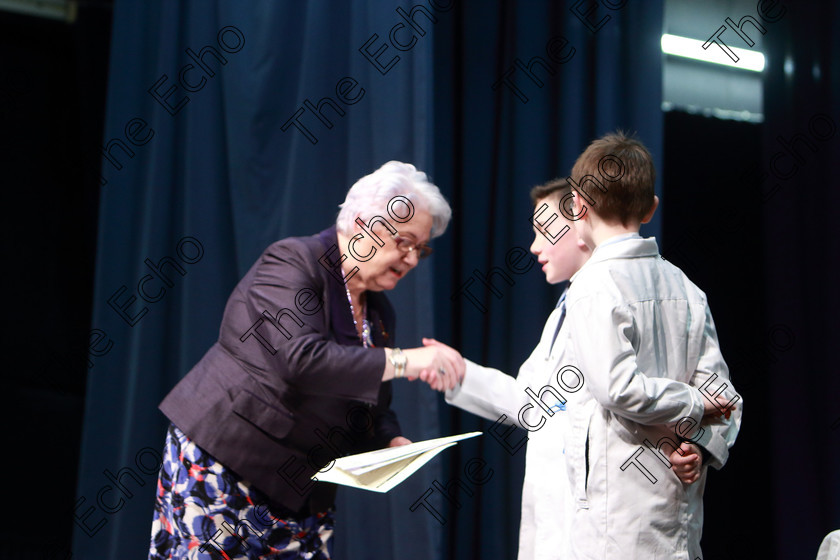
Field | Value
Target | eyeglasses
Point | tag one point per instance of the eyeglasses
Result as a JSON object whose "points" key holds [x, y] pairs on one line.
{"points": [[407, 245]]}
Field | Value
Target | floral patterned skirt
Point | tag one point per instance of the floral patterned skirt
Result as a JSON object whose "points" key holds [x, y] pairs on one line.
{"points": [[204, 511]]}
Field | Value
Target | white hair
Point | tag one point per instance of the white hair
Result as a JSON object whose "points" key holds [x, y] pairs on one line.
{"points": [[370, 196]]}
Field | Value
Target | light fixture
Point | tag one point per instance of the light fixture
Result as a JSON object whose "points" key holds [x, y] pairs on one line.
{"points": [[62, 10], [692, 48]]}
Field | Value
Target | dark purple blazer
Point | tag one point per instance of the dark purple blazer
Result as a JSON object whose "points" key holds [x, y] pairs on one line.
{"points": [[288, 387]]}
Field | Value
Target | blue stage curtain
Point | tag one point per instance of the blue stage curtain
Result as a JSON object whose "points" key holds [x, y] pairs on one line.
{"points": [[206, 176], [501, 131], [799, 203]]}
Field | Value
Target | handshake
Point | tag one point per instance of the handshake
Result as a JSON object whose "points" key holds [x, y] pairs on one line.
{"points": [[435, 363]]}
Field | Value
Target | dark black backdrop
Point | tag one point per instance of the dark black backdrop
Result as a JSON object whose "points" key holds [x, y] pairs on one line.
{"points": [[712, 229], [52, 100]]}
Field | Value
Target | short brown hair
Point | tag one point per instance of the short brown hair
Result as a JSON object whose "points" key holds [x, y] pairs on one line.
{"points": [[558, 186], [615, 175]]}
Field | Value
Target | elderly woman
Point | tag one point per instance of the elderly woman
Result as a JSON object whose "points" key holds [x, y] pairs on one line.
{"points": [[299, 376]]}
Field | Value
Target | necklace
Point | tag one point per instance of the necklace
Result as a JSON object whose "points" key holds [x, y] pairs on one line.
{"points": [[365, 336]]}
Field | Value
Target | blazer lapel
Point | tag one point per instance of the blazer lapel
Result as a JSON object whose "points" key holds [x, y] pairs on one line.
{"points": [[341, 319]]}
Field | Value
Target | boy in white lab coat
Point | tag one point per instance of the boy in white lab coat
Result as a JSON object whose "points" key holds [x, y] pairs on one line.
{"points": [[636, 324], [547, 506], [497, 396]]}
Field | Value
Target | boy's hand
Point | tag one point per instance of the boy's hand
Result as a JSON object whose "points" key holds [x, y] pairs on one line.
{"points": [[686, 462], [436, 364], [716, 408], [459, 371]]}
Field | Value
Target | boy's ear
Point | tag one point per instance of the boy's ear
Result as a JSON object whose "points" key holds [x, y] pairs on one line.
{"points": [[578, 206], [650, 212], [581, 244]]}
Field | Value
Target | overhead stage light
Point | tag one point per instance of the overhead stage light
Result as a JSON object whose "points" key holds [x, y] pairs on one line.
{"points": [[63, 10], [692, 48]]}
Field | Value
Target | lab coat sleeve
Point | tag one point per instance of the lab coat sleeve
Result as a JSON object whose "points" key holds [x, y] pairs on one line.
{"points": [[607, 360], [489, 393], [712, 376]]}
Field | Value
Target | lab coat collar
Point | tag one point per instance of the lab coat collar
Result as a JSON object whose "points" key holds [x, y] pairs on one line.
{"points": [[629, 247]]}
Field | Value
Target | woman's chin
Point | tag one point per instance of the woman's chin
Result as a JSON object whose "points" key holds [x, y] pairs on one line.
{"points": [[388, 281]]}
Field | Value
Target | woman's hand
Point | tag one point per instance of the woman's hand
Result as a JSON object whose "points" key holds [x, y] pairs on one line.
{"points": [[398, 441]]}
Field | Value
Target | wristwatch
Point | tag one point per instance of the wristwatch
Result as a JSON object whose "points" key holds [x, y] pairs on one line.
{"points": [[399, 361]]}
